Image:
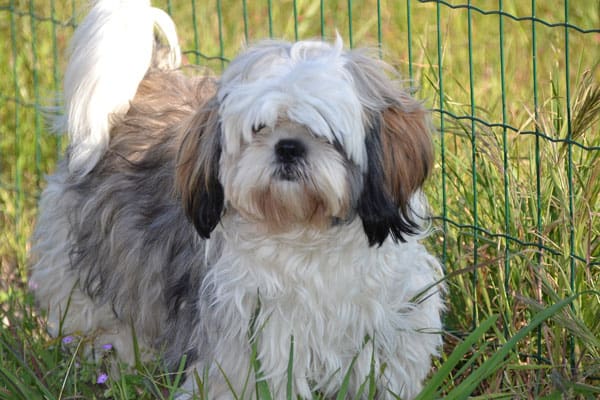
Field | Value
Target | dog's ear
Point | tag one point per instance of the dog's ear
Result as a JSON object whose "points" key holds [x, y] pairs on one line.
{"points": [[399, 151], [197, 175], [400, 157]]}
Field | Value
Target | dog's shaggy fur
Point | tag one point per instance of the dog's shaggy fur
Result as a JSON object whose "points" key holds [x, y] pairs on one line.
{"points": [[276, 207]]}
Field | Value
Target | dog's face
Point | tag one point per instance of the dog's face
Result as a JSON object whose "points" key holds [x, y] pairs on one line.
{"points": [[306, 135], [287, 176]]}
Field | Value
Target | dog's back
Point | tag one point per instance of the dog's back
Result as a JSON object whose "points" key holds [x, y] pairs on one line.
{"points": [[112, 245]]}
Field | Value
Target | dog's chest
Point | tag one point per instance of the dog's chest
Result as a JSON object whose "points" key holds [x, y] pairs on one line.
{"points": [[333, 305], [329, 299]]}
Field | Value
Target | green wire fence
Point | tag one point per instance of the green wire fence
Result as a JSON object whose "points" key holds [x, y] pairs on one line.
{"points": [[513, 89]]}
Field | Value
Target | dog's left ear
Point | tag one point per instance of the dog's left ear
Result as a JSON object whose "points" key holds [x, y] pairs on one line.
{"points": [[400, 158], [197, 175], [399, 151]]}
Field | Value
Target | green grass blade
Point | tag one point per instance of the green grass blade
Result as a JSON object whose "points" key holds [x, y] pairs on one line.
{"points": [[262, 390], [17, 389], [290, 367], [261, 386], [28, 372], [438, 379], [372, 376], [69, 368], [228, 382], [343, 393], [178, 375], [492, 364], [202, 389]]}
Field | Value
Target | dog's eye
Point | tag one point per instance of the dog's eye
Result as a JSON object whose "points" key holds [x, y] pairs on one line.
{"points": [[258, 128]]}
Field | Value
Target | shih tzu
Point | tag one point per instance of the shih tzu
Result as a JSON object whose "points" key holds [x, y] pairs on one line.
{"points": [[236, 222]]}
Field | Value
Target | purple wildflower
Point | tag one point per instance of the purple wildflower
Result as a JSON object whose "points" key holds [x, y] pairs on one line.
{"points": [[102, 378], [107, 347], [67, 339]]}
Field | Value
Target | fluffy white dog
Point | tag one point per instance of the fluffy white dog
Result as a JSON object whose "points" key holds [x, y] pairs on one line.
{"points": [[277, 208]]}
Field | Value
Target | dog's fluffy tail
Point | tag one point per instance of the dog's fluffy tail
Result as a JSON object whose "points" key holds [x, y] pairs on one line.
{"points": [[111, 51]]}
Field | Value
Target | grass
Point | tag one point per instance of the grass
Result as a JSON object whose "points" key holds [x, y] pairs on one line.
{"points": [[515, 188]]}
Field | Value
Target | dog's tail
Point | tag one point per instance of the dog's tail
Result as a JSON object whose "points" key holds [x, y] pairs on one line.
{"points": [[111, 51]]}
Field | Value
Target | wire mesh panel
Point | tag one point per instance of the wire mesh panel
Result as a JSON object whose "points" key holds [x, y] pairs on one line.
{"points": [[513, 89]]}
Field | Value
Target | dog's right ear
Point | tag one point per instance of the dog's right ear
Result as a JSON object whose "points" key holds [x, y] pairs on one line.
{"points": [[197, 175]]}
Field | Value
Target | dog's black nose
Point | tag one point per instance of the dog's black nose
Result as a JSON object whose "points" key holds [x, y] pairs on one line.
{"points": [[289, 151]]}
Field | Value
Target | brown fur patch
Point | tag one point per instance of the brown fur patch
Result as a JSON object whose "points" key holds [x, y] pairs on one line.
{"points": [[279, 213], [405, 127], [407, 148], [197, 169], [195, 164], [164, 100]]}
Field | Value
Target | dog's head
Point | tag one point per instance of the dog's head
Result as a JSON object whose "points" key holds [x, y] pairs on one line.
{"points": [[306, 135]]}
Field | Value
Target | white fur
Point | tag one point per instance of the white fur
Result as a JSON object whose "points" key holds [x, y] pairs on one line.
{"points": [[70, 310], [110, 54], [330, 293], [305, 83]]}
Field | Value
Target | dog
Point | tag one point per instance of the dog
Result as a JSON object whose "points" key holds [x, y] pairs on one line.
{"points": [[263, 224]]}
